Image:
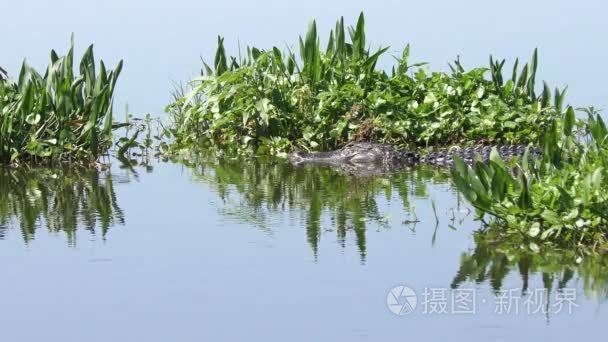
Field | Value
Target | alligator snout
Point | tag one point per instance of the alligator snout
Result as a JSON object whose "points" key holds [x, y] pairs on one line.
{"points": [[298, 157]]}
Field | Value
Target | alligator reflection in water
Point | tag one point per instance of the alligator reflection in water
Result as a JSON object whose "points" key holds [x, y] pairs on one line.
{"points": [[493, 262], [58, 199], [325, 196], [318, 193]]}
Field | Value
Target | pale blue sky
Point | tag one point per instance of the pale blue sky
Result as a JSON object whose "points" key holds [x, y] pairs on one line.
{"points": [[161, 41]]}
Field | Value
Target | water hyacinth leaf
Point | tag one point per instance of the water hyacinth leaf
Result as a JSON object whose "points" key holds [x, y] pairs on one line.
{"points": [[551, 217], [403, 63], [234, 64], [460, 166], [565, 199], [551, 152], [599, 130], [279, 58], [483, 174], [501, 181], [291, 64], [525, 200], [221, 63], [115, 73], [33, 119], [573, 214], [546, 95], [331, 44], [464, 186], [302, 49], [54, 57], [587, 190], [534, 247], [532, 80], [371, 61], [523, 77], [569, 121], [309, 50], [208, 70], [534, 229], [547, 233], [264, 107], [357, 36], [108, 126], [496, 159], [87, 69], [514, 74], [559, 99], [525, 160]]}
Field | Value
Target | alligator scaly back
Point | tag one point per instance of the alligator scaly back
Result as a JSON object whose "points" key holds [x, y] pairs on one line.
{"points": [[386, 156], [469, 154]]}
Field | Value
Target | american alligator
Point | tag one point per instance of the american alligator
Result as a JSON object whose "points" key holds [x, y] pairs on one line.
{"points": [[381, 157]]}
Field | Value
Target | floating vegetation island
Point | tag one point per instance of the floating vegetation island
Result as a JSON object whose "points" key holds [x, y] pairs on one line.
{"points": [[270, 102]]}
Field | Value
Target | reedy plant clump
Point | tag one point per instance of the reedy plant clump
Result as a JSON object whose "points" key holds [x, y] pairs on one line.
{"points": [[58, 116], [559, 199], [270, 102]]}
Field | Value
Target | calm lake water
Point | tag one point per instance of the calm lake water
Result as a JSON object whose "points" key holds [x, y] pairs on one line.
{"points": [[225, 249], [232, 250]]}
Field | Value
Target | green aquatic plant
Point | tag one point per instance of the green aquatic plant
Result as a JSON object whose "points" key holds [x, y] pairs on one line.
{"points": [[270, 101], [59, 115], [3, 75], [60, 200], [558, 199], [144, 139]]}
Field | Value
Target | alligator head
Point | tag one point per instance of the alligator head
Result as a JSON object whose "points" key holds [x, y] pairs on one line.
{"points": [[358, 153]]}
